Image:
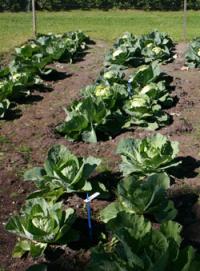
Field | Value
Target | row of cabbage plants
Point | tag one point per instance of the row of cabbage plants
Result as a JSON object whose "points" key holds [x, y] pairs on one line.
{"points": [[115, 103], [137, 50], [142, 232], [30, 63]]}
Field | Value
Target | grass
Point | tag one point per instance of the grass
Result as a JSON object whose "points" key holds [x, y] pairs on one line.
{"points": [[105, 25]]}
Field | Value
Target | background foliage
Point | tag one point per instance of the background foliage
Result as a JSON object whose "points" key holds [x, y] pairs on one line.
{"points": [[23, 5]]}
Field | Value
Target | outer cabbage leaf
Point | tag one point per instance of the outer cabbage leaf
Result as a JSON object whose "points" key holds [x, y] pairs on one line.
{"points": [[4, 106], [145, 75]]}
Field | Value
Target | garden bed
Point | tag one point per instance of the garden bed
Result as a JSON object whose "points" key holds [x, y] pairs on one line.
{"points": [[28, 134]]}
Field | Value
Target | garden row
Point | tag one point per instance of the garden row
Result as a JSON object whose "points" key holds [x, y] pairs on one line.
{"points": [[30, 62], [113, 103], [141, 232]]}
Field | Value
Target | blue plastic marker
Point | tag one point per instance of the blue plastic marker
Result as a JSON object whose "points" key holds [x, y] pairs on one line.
{"points": [[88, 200], [89, 217], [130, 89]]}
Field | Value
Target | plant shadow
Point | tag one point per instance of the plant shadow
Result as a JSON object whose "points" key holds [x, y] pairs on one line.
{"points": [[184, 204], [188, 215], [80, 56], [109, 180], [29, 99], [12, 113], [168, 79], [55, 75], [88, 237], [186, 169]]}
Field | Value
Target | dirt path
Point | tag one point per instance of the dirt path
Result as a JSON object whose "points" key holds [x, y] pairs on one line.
{"points": [[24, 141]]}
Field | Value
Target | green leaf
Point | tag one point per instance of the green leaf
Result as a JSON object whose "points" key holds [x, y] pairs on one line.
{"points": [[34, 174], [110, 212], [21, 247], [172, 230], [37, 249], [89, 136]]}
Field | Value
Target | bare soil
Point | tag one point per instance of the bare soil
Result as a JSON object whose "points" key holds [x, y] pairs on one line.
{"points": [[29, 132]]}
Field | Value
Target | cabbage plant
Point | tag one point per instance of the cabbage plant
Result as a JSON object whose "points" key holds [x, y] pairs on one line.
{"points": [[83, 119], [145, 112], [112, 95], [126, 51], [192, 56], [149, 80], [152, 52], [143, 157], [157, 46], [39, 224], [63, 172], [143, 198], [14, 86], [138, 246], [90, 118]]}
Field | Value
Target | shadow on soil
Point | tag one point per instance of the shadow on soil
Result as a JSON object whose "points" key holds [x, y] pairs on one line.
{"points": [[188, 216], [187, 168], [110, 181], [61, 259], [30, 99], [80, 57], [13, 113], [55, 76]]}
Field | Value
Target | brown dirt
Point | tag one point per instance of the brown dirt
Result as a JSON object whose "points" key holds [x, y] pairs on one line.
{"points": [[27, 136]]}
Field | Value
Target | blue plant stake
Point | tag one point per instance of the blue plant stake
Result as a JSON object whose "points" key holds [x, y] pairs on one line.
{"points": [[89, 217], [130, 90]]}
